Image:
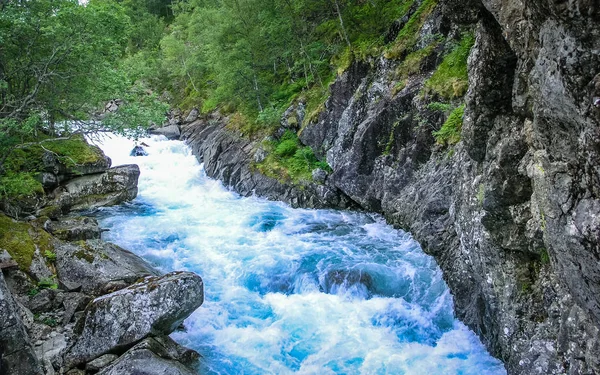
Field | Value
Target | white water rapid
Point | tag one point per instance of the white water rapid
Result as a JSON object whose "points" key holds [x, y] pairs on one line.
{"points": [[290, 291]]}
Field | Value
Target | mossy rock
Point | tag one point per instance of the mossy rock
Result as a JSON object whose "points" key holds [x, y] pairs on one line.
{"points": [[21, 240]]}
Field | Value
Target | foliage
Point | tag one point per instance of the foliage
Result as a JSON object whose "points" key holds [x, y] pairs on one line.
{"points": [[290, 160], [48, 283], [449, 133], [23, 163], [451, 80], [50, 255], [439, 106], [60, 62], [407, 37]]}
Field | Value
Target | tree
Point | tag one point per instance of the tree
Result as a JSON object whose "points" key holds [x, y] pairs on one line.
{"points": [[59, 61]]}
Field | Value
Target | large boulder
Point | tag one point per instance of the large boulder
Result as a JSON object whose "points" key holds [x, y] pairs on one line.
{"points": [[95, 266], [144, 361], [75, 228], [16, 353], [112, 187], [169, 131], [152, 307]]}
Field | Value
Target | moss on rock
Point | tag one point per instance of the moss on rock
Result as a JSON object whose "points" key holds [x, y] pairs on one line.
{"points": [[451, 79], [21, 240]]}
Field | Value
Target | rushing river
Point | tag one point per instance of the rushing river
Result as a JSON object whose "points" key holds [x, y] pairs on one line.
{"points": [[290, 290]]}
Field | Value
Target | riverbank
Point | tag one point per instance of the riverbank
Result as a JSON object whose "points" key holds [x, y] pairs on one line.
{"points": [[71, 303]]}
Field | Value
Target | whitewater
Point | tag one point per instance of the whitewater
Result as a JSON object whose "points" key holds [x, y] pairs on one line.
{"points": [[290, 291]]}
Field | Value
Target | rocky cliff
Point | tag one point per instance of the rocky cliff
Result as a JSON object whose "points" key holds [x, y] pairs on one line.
{"points": [[499, 182]]}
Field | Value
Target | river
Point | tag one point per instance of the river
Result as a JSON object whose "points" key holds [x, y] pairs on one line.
{"points": [[290, 291]]}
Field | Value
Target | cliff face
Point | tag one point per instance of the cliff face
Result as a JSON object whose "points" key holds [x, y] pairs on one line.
{"points": [[511, 212]]}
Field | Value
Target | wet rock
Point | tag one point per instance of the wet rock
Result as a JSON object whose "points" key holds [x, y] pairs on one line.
{"points": [[347, 278], [112, 187], [155, 306], [16, 352], [138, 151], [94, 265]]}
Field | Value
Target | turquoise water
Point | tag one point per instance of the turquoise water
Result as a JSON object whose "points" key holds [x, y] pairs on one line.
{"points": [[290, 291]]}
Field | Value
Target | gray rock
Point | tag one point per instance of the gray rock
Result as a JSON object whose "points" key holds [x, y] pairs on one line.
{"points": [[260, 155], [138, 151], [319, 175], [112, 187], [192, 116], [170, 131], [75, 228], [41, 302], [101, 362], [16, 352], [73, 303], [6, 261], [143, 361], [155, 306], [50, 351], [94, 266]]}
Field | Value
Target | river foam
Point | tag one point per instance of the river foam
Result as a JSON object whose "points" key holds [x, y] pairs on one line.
{"points": [[290, 291]]}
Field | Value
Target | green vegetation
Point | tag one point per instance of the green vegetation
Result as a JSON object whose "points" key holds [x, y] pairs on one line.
{"points": [[61, 61], [51, 322], [544, 257], [24, 162], [441, 107], [50, 256], [255, 57], [449, 134], [288, 160], [451, 80], [407, 37], [481, 194], [48, 283], [21, 241]]}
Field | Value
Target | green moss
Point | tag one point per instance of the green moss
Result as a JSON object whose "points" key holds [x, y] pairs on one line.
{"points": [[544, 257], [75, 151], [20, 185], [451, 79], [408, 36], [481, 194], [85, 252], [23, 165], [449, 134], [315, 99], [290, 161], [21, 241], [412, 63], [48, 283], [390, 142], [439, 107]]}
